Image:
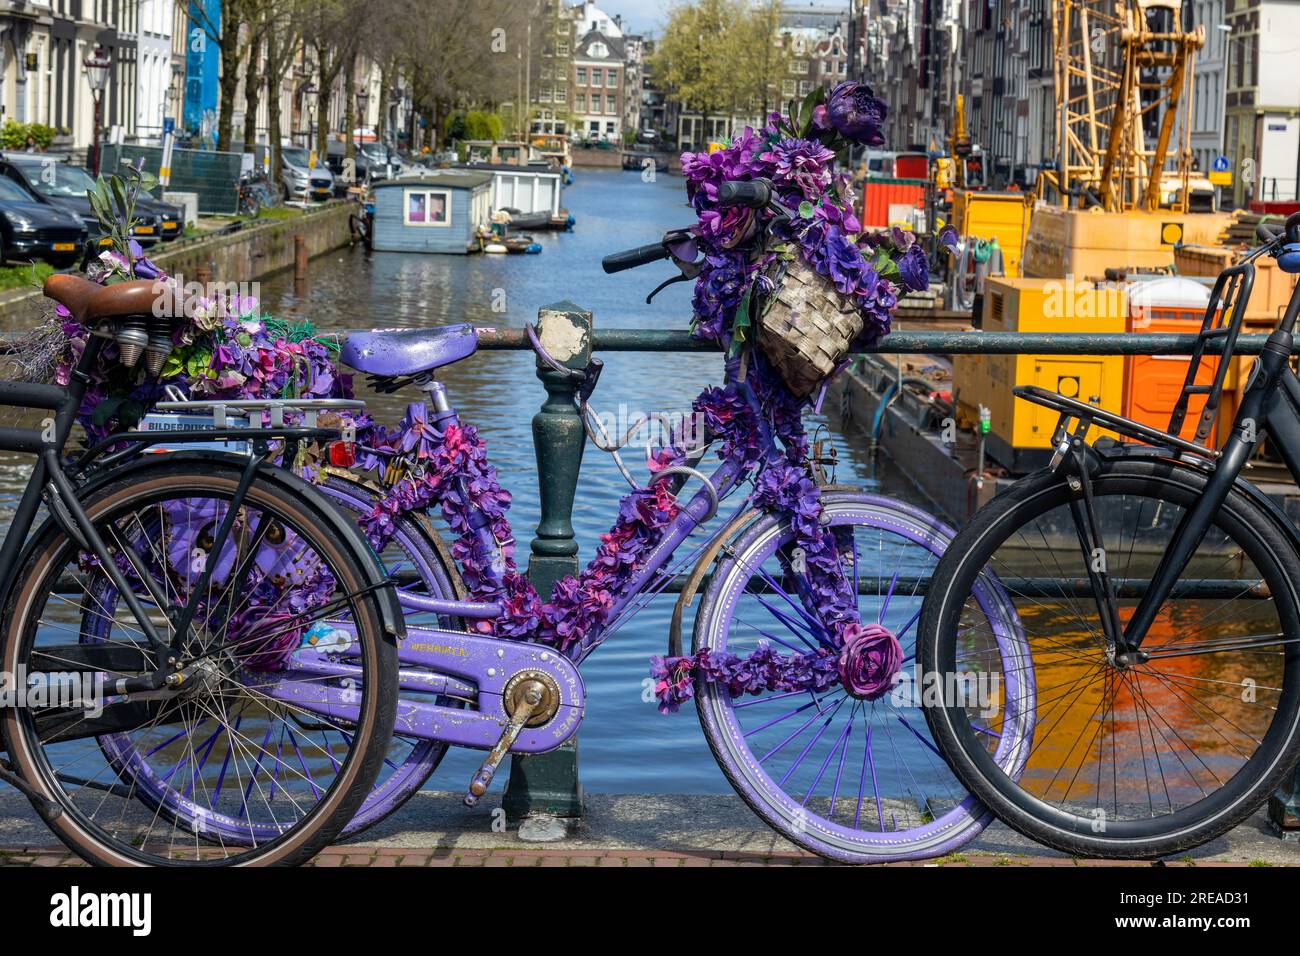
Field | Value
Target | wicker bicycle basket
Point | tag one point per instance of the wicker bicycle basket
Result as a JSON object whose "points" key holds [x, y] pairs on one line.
{"points": [[807, 329]]}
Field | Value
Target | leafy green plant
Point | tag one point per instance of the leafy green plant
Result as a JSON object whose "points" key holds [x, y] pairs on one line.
{"points": [[113, 201], [14, 135]]}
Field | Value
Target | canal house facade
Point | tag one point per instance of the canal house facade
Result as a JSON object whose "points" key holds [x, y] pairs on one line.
{"points": [[442, 212]]}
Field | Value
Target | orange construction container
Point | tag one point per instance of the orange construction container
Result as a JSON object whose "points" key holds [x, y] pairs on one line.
{"points": [[1153, 383], [883, 199]]}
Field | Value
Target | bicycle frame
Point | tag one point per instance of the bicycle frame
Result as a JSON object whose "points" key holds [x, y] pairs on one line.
{"points": [[477, 668]]}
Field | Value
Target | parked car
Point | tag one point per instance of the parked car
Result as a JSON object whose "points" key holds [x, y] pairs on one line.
{"points": [[57, 183], [31, 229], [296, 178], [171, 218], [372, 162]]}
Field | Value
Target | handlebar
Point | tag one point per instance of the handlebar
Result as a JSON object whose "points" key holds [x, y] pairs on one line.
{"points": [[634, 258], [755, 194], [1270, 232]]}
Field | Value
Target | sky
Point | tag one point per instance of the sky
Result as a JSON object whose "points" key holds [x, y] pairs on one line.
{"points": [[648, 17], [639, 16]]}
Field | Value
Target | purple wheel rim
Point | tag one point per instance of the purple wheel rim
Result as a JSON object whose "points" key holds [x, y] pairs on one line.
{"points": [[769, 798]]}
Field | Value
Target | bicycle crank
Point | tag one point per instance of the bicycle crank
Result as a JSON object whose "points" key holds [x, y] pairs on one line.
{"points": [[531, 698]]}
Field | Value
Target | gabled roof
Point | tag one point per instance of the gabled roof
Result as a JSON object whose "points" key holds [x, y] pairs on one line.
{"points": [[617, 53]]}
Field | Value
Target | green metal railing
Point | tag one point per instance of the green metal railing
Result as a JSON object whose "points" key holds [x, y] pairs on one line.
{"points": [[919, 343], [548, 783]]}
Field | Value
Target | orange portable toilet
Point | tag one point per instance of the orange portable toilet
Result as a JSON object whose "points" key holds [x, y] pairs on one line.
{"points": [[1153, 383]]}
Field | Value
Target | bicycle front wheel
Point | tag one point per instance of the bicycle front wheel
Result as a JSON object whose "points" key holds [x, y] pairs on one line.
{"points": [[1129, 760], [274, 736], [851, 776]]}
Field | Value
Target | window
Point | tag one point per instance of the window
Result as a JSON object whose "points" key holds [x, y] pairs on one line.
{"points": [[805, 87], [582, 76], [788, 88], [611, 104], [544, 95], [561, 94], [562, 49], [580, 102], [427, 207], [799, 66], [611, 77]]}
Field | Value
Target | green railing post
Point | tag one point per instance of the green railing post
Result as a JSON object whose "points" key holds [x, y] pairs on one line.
{"points": [[1284, 808], [545, 786]]}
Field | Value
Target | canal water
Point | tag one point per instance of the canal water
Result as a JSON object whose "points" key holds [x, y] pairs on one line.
{"points": [[625, 745]]}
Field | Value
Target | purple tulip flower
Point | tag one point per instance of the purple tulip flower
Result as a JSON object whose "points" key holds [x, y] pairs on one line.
{"points": [[857, 114]]}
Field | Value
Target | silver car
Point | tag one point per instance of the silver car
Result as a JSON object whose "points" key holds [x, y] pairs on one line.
{"points": [[297, 179]]}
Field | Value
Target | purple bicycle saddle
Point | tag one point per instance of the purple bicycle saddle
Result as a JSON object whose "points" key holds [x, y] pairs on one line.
{"points": [[392, 352]]}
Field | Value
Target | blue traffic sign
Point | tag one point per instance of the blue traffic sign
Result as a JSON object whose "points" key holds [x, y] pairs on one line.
{"points": [[1221, 164]]}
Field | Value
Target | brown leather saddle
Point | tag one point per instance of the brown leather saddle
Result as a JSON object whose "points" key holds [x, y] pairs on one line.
{"points": [[90, 302]]}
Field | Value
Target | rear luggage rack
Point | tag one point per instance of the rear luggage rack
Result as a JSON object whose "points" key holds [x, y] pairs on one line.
{"points": [[220, 408], [1088, 415], [1224, 316]]}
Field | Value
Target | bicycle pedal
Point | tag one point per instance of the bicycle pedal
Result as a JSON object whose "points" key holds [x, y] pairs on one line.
{"points": [[531, 698]]}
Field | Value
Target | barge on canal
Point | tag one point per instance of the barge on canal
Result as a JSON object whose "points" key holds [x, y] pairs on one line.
{"points": [[530, 194]]}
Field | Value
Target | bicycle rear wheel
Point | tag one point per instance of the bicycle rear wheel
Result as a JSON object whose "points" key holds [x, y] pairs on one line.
{"points": [[1138, 760], [855, 779], [270, 744]]}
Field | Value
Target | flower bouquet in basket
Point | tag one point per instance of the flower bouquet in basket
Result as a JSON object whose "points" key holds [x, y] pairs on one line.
{"points": [[807, 284]]}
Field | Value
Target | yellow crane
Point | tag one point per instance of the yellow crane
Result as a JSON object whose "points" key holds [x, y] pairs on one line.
{"points": [[1118, 63]]}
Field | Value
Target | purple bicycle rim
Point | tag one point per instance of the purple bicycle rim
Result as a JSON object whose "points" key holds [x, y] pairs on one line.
{"points": [[779, 809]]}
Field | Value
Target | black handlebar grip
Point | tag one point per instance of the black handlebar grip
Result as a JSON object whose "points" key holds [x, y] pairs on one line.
{"points": [[755, 194], [1268, 231], [633, 258], [1293, 227]]}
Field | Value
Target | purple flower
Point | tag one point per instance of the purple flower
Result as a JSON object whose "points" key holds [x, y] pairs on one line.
{"points": [[869, 660], [914, 269], [800, 165], [857, 114]]}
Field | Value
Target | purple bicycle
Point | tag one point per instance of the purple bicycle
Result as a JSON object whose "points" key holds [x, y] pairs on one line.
{"points": [[841, 765], [816, 722]]}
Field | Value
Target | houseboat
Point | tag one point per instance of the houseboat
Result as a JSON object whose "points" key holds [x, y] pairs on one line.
{"points": [[445, 210], [554, 148], [501, 153], [531, 194]]}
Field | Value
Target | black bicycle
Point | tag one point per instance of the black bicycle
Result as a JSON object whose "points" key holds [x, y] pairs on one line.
{"points": [[150, 624], [1160, 599]]}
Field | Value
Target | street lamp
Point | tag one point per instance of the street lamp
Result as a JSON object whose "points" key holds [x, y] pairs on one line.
{"points": [[307, 107], [363, 98], [98, 66]]}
